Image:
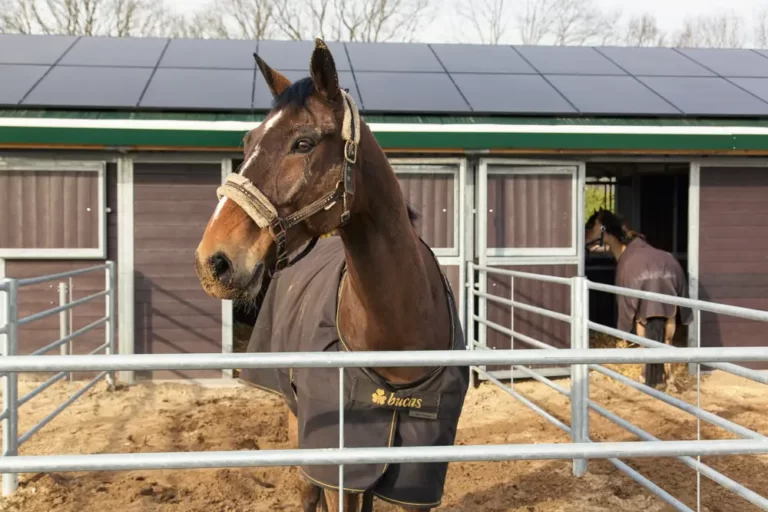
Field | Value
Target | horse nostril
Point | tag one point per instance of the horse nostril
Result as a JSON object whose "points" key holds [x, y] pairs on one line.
{"points": [[221, 265]]}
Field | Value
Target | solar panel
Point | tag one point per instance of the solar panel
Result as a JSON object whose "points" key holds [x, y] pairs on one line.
{"points": [[654, 62], [209, 54], [262, 98], [571, 60], [115, 51], [757, 86], [474, 58], [706, 96], [610, 95], [393, 57], [511, 94], [17, 80], [69, 86], [730, 62], [225, 89], [409, 92], [296, 55], [26, 49]]}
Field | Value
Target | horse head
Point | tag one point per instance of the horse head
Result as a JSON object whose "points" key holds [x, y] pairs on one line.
{"points": [[605, 229], [296, 182]]}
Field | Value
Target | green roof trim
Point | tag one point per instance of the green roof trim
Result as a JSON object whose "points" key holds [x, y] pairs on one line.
{"points": [[399, 140]]}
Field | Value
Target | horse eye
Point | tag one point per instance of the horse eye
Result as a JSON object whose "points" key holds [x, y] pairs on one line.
{"points": [[303, 146]]}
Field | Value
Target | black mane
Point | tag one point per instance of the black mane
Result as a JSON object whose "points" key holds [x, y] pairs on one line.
{"points": [[295, 95]]}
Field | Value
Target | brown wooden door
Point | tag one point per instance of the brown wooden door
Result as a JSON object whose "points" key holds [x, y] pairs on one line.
{"points": [[173, 203]]}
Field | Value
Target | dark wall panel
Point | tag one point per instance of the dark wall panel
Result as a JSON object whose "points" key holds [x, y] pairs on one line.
{"points": [[733, 260], [49, 209], [530, 210], [37, 298], [173, 203], [432, 196]]}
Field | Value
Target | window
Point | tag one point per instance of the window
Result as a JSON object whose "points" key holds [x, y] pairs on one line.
{"points": [[52, 209], [433, 191], [530, 210]]}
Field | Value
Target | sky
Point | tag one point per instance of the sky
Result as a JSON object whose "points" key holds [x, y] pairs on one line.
{"points": [[670, 14]]}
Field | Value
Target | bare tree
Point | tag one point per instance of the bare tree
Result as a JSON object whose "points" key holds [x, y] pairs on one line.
{"points": [[17, 16], [488, 20], [580, 22], [565, 22], [382, 20], [723, 30], [142, 18], [760, 27], [243, 19], [85, 17], [644, 31], [69, 17], [353, 20], [535, 21], [307, 19]]}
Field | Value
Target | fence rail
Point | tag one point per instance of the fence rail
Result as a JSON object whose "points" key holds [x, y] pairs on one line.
{"points": [[393, 455], [414, 358], [10, 343], [579, 392]]}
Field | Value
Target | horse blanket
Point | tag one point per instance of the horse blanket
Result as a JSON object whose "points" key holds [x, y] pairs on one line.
{"points": [[299, 314], [644, 267]]}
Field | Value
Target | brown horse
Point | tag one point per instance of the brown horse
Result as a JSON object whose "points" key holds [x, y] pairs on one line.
{"points": [[641, 266], [312, 167]]}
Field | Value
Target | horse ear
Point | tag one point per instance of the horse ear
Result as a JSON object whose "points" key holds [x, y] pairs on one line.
{"points": [[323, 71], [276, 81]]}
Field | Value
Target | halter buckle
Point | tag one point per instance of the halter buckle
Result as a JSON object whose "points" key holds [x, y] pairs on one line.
{"points": [[350, 151]]}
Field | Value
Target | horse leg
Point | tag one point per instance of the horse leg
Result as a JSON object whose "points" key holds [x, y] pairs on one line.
{"points": [[654, 329], [351, 501], [669, 334], [310, 493], [413, 509]]}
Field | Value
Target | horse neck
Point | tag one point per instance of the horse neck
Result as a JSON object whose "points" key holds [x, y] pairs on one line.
{"points": [[393, 296]]}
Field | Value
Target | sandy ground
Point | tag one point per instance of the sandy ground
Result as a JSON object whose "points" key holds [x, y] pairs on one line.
{"points": [[179, 417]]}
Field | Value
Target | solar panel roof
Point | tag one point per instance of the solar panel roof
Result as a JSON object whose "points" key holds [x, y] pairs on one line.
{"points": [[385, 78], [570, 60]]}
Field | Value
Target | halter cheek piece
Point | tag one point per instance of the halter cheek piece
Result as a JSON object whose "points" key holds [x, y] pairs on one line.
{"points": [[247, 196], [599, 240]]}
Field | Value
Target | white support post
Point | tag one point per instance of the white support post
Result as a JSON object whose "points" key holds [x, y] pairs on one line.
{"points": [[470, 312], [579, 372], [512, 327], [125, 248], [10, 388], [109, 327], [64, 322], [694, 330], [227, 313]]}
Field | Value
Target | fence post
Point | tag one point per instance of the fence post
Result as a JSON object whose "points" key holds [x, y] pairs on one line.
{"points": [[10, 388], [65, 348], [109, 327], [469, 314], [580, 372]]}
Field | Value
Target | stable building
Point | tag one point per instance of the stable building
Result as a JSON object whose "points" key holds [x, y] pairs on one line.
{"points": [[112, 148]]}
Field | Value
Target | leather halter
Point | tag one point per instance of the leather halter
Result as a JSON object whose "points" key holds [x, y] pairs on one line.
{"points": [[247, 196], [599, 240]]}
